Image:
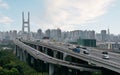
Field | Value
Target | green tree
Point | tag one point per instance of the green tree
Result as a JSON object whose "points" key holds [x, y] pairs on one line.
{"points": [[11, 65]]}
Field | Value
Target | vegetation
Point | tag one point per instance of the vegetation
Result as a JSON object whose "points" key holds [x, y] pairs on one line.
{"points": [[10, 65], [97, 73]]}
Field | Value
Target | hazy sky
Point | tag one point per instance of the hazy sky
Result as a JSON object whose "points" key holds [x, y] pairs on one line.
{"points": [[64, 14]]}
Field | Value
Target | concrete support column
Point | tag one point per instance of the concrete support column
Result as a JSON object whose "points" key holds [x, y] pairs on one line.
{"points": [[15, 50], [51, 69], [32, 60], [42, 49], [21, 55], [29, 59], [55, 54], [64, 56], [18, 52], [69, 71], [65, 70], [46, 50], [37, 47], [24, 56]]}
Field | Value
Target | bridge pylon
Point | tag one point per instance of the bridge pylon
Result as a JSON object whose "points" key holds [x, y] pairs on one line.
{"points": [[26, 25]]}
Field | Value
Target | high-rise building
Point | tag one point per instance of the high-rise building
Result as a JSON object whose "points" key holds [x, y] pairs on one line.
{"points": [[14, 34], [39, 34], [92, 34], [58, 34], [98, 37], [103, 35], [47, 33], [55, 34]]}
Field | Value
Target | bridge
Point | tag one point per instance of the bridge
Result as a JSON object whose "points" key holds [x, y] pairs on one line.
{"points": [[59, 58]]}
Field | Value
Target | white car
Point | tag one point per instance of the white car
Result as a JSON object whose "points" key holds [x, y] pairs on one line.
{"points": [[86, 51], [105, 55]]}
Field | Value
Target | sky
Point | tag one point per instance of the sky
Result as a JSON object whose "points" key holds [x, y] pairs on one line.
{"points": [[67, 15]]}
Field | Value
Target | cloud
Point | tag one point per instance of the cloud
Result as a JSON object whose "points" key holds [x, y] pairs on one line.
{"points": [[3, 5], [40, 23], [5, 20], [75, 12]]}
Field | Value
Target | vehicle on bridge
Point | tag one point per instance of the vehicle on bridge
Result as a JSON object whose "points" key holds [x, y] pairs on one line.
{"points": [[86, 51], [105, 55], [77, 50]]}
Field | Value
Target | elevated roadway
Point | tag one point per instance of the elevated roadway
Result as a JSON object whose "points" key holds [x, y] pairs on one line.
{"points": [[41, 56], [94, 58]]}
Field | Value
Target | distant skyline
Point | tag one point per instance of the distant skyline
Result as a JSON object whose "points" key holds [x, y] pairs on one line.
{"points": [[64, 14]]}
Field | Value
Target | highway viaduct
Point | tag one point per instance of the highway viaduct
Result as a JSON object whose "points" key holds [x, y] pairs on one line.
{"points": [[47, 60]]}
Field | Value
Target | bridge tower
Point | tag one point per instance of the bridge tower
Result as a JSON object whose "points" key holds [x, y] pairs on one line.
{"points": [[26, 25]]}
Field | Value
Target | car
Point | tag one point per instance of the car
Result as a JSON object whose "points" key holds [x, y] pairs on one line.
{"points": [[105, 55], [86, 51], [77, 50]]}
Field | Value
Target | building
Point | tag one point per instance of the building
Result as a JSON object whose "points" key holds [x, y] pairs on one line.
{"points": [[87, 42], [39, 34], [14, 34], [55, 34], [47, 33], [109, 45], [103, 35], [59, 34]]}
